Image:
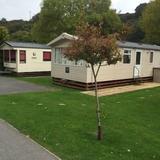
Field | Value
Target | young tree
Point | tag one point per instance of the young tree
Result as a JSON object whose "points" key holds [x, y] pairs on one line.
{"points": [[96, 50]]}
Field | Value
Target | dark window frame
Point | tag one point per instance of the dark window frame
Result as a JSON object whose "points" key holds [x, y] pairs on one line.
{"points": [[67, 70], [12, 56], [22, 52], [127, 57], [138, 58], [44, 56], [151, 57], [6, 56]]}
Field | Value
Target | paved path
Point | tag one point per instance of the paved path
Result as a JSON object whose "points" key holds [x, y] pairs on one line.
{"points": [[122, 89], [11, 85], [16, 146]]}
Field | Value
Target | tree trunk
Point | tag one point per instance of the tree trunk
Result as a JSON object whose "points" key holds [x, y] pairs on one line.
{"points": [[99, 132]]}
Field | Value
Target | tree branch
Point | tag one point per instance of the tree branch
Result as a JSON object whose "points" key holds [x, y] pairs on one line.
{"points": [[92, 66], [98, 69]]}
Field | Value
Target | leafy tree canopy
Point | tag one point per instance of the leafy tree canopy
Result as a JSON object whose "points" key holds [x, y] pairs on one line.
{"points": [[93, 47], [139, 10], [23, 36], [132, 20], [63, 16], [17, 28], [3, 33], [150, 22]]}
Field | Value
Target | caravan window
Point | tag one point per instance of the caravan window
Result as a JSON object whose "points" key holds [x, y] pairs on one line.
{"points": [[127, 57], [58, 56], [151, 57], [46, 56], [22, 54], [6, 55], [13, 56], [138, 58]]}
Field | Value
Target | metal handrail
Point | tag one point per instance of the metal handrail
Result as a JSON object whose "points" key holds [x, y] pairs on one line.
{"points": [[135, 67]]}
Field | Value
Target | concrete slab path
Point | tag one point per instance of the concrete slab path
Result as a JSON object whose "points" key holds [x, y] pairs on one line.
{"points": [[122, 89], [11, 85], [16, 146]]}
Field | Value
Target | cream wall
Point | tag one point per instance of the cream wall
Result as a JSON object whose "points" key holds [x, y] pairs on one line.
{"points": [[33, 63], [6, 47], [156, 77], [62, 44], [147, 67], [113, 72], [125, 71], [11, 66], [77, 73], [107, 73]]}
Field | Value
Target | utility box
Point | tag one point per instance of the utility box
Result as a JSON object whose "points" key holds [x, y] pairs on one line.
{"points": [[156, 74]]}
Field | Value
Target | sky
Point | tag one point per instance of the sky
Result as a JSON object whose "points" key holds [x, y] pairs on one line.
{"points": [[25, 9], [124, 6]]}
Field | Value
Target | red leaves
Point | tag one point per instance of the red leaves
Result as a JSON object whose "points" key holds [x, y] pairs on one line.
{"points": [[93, 47]]}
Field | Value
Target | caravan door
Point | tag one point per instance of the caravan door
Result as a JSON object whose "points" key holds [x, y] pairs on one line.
{"points": [[137, 67]]}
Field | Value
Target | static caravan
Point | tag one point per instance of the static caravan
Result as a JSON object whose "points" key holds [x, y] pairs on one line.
{"points": [[26, 58], [138, 62]]}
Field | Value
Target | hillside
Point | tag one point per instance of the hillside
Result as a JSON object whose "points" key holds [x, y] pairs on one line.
{"points": [[20, 30]]}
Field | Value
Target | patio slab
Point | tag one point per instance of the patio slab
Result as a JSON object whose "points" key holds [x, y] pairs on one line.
{"points": [[122, 89]]}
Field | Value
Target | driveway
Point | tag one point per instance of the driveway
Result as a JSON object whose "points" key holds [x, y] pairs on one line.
{"points": [[11, 85], [16, 146]]}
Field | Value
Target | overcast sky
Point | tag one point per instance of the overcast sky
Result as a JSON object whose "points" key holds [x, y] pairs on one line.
{"points": [[24, 9]]}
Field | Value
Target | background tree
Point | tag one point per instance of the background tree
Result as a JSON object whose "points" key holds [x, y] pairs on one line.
{"points": [[3, 21], [52, 21], [132, 20], [98, 12], [21, 36], [96, 49], [150, 22], [18, 27], [3, 33], [3, 36], [55, 17], [139, 10], [63, 16]]}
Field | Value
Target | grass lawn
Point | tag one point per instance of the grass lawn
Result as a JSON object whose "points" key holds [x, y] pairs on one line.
{"points": [[64, 122]]}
